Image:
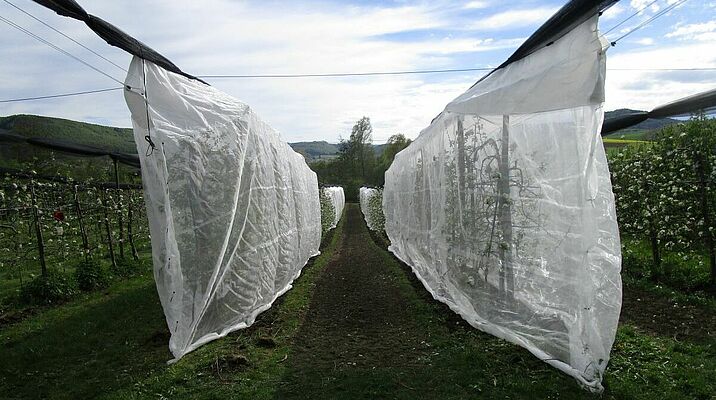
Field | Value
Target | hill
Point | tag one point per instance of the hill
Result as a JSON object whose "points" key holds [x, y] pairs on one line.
{"points": [[121, 139], [316, 150], [115, 139]]}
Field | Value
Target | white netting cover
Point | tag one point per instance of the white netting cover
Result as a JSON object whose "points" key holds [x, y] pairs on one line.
{"points": [[234, 212], [338, 199], [503, 207], [364, 196]]}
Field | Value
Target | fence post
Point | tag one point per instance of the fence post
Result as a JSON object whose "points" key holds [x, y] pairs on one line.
{"points": [[130, 235], [107, 228], [83, 231], [703, 197], [119, 200], [38, 229], [507, 278]]}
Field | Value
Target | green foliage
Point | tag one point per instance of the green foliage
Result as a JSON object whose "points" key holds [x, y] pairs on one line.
{"points": [[54, 288], [359, 162], [328, 212], [91, 276], [375, 211], [127, 267], [665, 194]]}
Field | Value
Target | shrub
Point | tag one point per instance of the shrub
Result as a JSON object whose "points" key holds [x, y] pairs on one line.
{"points": [[54, 288], [91, 276], [127, 267]]}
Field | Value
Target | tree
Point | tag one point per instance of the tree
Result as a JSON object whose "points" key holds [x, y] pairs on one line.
{"points": [[359, 148]]}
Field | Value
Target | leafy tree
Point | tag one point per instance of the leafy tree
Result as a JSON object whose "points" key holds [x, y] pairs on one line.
{"points": [[665, 192]]}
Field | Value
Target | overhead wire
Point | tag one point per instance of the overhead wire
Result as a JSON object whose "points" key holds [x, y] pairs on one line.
{"points": [[54, 96], [308, 75], [344, 74], [59, 49], [349, 74], [637, 12], [648, 21], [332, 75], [65, 35]]}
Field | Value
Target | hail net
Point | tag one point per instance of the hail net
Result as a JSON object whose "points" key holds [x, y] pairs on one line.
{"points": [[234, 212], [503, 207], [366, 197], [338, 199]]}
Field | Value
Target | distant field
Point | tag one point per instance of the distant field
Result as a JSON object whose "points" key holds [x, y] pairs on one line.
{"points": [[609, 142], [629, 134]]}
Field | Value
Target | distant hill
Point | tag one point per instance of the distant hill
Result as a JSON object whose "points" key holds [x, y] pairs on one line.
{"points": [[641, 130], [319, 150], [122, 140], [115, 139], [24, 157], [316, 150]]}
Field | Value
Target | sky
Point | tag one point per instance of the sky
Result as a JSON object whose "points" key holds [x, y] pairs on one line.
{"points": [[232, 37]]}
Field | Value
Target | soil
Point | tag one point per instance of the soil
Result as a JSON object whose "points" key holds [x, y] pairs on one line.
{"points": [[661, 316], [357, 319]]}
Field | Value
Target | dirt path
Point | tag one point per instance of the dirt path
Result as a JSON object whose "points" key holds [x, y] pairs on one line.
{"points": [[359, 321]]}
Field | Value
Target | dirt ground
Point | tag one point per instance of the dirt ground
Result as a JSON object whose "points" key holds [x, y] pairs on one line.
{"points": [[358, 318], [661, 316]]}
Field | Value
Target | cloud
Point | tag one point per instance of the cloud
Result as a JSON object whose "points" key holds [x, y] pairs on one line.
{"points": [[700, 31], [613, 12], [515, 18], [640, 4], [647, 41], [647, 89], [476, 5], [231, 37]]}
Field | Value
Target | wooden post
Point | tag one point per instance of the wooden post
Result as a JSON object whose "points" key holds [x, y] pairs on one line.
{"points": [[705, 214], [83, 230], [38, 229], [130, 236], [108, 229], [119, 201], [507, 280], [653, 238]]}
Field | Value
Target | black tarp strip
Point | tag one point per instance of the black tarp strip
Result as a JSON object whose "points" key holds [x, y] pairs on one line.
{"points": [[112, 35], [704, 102], [71, 148]]}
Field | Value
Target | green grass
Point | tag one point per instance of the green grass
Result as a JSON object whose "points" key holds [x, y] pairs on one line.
{"points": [[114, 344], [629, 134], [650, 367], [682, 277]]}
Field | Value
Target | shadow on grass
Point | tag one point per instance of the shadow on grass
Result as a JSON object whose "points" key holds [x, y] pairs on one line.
{"points": [[86, 348]]}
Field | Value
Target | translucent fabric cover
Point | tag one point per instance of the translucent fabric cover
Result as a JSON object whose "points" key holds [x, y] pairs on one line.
{"points": [[364, 196], [234, 212], [338, 199], [503, 207]]}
